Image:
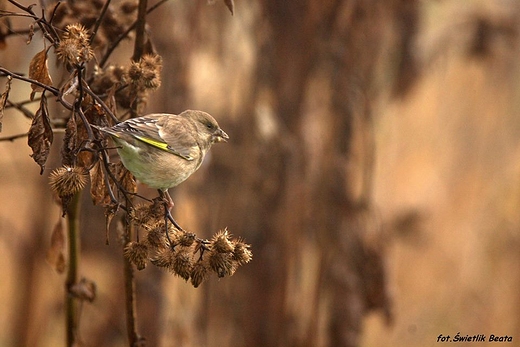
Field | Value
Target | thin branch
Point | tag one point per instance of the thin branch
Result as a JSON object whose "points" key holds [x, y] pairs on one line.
{"points": [[99, 20], [13, 137], [20, 107], [120, 188], [5, 13], [117, 41], [54, 12], [107, 182], [49, 23], [79, 101], [98, 99], [42, 23], [51, 89]]}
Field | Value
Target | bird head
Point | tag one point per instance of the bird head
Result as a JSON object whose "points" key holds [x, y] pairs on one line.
{"points": [[207, 127]]}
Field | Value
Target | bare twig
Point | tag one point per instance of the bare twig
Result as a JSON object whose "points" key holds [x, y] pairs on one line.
{"points": [[20, 107], [42, 23], [117, 41], [5, 13], [79, 101], [51, 89], [96, 97], [13, 137], [99, 20]]}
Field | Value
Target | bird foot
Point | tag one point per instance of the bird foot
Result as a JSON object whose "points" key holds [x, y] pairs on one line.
{"points": [[166, 199]]}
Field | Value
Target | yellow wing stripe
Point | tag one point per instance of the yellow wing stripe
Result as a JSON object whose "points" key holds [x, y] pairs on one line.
{"points": [[158, 144], [163, 146]]}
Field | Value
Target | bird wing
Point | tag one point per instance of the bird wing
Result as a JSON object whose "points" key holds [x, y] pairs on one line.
{"points": [[151, 130]]}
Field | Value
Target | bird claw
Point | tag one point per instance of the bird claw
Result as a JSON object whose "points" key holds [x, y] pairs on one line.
{"points": [[166, 199]]}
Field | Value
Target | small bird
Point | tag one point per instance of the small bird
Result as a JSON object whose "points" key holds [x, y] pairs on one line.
{"points": [[162, 150]]}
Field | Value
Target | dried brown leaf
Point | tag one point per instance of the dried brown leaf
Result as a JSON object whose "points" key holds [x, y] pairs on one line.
{"points": [[55, 253], [84, 158], [96, 114], [69, 142], [125, 178], [3, 99], [39, 71], [98, 190], [40, 135], [110, 212], [230, 5]]}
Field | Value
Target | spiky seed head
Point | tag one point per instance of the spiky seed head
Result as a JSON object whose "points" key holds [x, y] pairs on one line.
{"points": [[199, 273], [182, 263], [66, 181], [221, 263], [242, 252], [186, 239], [137, 253], [155, 236], [163, 258], [221, 242], [146, 73], [74, 47], [144, 214]]}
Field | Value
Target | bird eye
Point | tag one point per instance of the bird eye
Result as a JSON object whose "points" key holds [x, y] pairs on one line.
{"points": [[210, 126]]}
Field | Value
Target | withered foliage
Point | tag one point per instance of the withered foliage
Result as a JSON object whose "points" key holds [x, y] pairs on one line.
{"points": [[39, 71], [41, 135], [82, 35], [181, 252]]}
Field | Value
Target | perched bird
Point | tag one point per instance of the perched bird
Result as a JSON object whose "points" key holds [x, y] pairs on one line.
{"points": [[162, 150]]}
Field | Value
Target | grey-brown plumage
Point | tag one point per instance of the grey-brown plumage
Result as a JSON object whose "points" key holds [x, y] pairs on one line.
{"points": [[162, 150]]}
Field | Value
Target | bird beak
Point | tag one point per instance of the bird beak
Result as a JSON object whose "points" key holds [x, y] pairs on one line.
{"points": [[221, 136]]}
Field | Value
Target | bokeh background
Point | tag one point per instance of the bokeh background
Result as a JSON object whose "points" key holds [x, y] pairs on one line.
{"points": [[373, 167]]}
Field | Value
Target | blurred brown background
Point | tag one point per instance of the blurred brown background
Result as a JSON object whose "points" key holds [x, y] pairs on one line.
{"points": [[373, 166]]}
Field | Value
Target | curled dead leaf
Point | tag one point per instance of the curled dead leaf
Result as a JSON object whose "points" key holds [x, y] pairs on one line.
{"points": [[125, 178], [69, 142], [40, 135], [98, 190], [39, 71], [110, 212]]}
